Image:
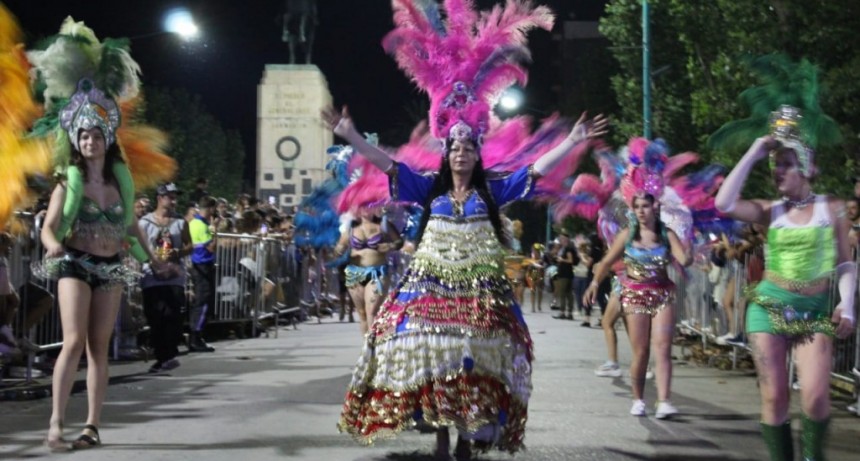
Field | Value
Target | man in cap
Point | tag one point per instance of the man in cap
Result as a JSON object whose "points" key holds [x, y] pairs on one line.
{"points": [[164, 290]]}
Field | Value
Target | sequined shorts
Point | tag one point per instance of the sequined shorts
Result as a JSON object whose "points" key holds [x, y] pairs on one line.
{"points": [[102, 272], [646, 298]]}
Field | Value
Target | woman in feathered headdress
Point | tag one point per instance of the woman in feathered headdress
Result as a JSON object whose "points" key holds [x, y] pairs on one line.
{"points": [[807, 246], [366, 240], [452, 321], [90, 216], [648, 245]]}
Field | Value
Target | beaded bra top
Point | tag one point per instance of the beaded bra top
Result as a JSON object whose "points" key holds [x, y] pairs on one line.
{"points": [[96, 223]]}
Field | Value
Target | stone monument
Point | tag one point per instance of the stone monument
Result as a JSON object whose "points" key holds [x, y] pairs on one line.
{"points": [[291, 138]]}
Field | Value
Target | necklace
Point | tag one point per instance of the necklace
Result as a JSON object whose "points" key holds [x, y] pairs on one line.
{"points": [[457, 204], [800, 204]]}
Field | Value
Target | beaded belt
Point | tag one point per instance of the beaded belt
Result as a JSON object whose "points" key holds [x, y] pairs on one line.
{"points": [[808, 288]]}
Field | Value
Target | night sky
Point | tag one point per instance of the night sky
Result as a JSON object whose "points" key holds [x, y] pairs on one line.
{"points": [[239, 37]]}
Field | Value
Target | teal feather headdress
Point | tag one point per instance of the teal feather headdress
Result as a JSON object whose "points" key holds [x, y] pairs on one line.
{"points": [[786, 105]]}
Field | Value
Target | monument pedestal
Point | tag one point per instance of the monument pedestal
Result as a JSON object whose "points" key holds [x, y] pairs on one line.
{"points": [[291, 138]]}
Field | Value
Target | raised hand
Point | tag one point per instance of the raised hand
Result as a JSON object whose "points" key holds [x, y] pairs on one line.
{"points": [[338, 121], [589, 129], [762, 146]]}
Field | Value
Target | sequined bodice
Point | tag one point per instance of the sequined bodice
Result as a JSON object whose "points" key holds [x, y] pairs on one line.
{"points": [[646, 264], [460, 234], [445, 206], [94, 223], [90, 212]]}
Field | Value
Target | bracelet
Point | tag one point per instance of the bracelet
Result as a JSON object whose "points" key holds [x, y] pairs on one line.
{"points": [[594, 284]]}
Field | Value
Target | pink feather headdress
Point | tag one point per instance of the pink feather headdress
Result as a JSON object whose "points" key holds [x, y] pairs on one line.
{"points": [[368, 187], [464, 60]]}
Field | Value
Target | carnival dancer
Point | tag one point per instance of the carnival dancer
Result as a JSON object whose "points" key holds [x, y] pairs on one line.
{"points": [[647, 246], [451, 321], [90, 215], [807, 245], [366, 239]]}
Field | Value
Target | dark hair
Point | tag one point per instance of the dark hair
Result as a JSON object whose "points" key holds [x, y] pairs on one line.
{"points": [[659, 227], [112, 154], [444, 182], [206, 202]]}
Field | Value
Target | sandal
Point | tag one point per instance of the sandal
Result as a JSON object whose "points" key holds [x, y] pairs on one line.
{"points": [[85, 440]]}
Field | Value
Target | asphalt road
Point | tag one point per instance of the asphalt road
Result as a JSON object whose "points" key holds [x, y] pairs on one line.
{"points": [[279, 398]]}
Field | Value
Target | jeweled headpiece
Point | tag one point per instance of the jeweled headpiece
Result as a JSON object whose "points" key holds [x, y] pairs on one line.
{"points": [[465, 60], [89, 108], [647, 161], [785, 127]]}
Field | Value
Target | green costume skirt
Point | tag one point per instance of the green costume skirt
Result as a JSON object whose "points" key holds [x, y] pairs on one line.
{"points": [[777, 311]]}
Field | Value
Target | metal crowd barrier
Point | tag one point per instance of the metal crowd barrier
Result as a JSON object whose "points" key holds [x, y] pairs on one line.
{"points": [[248, 279], [38, 318]]}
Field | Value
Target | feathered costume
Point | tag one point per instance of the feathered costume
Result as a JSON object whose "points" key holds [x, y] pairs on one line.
{"points": [[20, 158], [786, 105], [317, 223], [686, 202], [794, 299], [449, 346], [84, 83]]}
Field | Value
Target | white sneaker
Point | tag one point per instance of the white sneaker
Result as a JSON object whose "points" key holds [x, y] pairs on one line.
{"points": [[609, 369], [721, 340], [665, 410], [649, 374], [638, 408]]}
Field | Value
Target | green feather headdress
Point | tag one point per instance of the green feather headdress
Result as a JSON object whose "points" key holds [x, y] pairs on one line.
{"points": [[785, 105], [60, 64]]}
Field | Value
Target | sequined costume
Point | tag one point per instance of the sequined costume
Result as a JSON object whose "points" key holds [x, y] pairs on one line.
{"points": [[645, 284], [793, 299], [362, 275], [449, 346], [93, 224]]}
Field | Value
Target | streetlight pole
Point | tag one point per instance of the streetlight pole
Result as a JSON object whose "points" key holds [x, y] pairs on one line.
{"points": [[646, 71]]}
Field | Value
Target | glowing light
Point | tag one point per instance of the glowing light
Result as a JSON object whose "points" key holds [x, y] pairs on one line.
{"points": [[512, 99], [179, 21]]}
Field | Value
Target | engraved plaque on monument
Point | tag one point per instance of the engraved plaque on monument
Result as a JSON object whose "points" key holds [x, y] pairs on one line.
{"points": [[291, 139]]}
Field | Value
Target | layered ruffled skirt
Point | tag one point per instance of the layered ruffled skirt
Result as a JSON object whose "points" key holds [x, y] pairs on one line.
{"points": [[449, 346]]}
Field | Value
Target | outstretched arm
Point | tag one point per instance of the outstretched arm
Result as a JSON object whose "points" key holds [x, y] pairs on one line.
{"points": [[728, 199], [583, 130], [605, 265], [341, 124]]}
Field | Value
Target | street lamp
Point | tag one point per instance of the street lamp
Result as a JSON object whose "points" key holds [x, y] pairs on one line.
{"points": [[511, 100], [180, 22]]}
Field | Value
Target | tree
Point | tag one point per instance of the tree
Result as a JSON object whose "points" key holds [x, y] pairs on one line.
{"points": [[201, 147], [706, 43]]}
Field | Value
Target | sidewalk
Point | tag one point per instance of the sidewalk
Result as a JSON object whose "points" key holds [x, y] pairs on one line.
{"points": [[280, 398]]}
